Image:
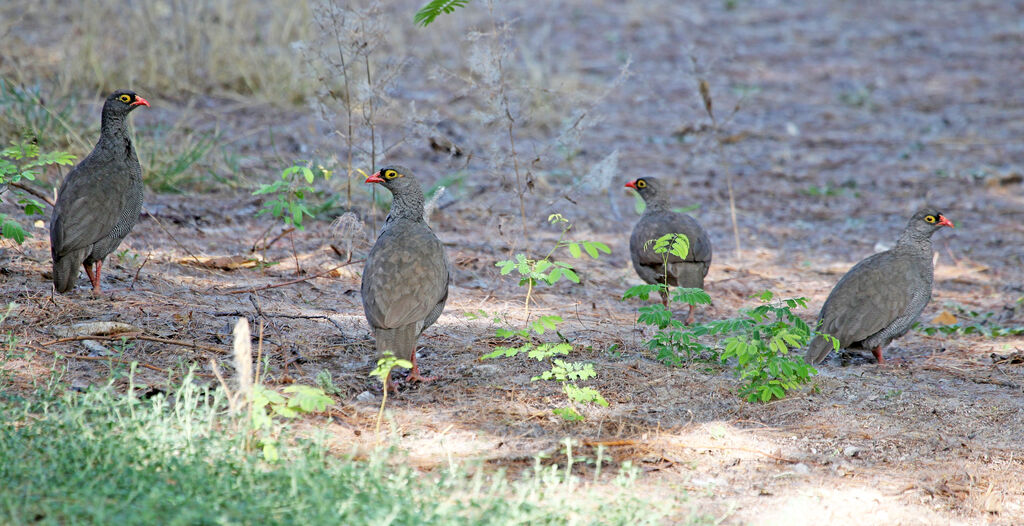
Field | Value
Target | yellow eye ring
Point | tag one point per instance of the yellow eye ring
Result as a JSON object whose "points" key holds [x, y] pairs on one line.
{"points": [[930, 219], [390, 174], [125, 98], [640, 183]]}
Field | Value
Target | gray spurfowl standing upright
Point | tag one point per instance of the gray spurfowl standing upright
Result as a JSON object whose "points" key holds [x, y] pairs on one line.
{"points": [[658, 220], [405, 280], [880, 297], [100, 199]]}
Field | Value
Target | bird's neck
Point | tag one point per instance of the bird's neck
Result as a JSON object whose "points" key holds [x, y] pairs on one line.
{"points": [[913, 241], [112, 126], [408, 207], [656, 205]]}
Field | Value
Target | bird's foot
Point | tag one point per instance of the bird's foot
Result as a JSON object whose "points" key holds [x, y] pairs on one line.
{"points": [[415, 376]]}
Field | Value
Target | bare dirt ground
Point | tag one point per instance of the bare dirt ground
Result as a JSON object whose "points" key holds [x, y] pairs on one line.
{"points": [[849, 117]]}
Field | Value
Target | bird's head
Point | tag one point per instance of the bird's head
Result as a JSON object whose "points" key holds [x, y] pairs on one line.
{"points": [[647, 187], [124, 101], [396, 178], [927, 220]]}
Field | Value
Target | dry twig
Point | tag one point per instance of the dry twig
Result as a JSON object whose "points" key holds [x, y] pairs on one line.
{"points": [[294, 281]]}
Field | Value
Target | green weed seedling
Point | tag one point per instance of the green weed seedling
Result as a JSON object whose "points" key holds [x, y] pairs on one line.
{"points": [[971, 322], [383, 372], [288, 196], [765, 342], [20, 165], [291, 402], [533, 272]]}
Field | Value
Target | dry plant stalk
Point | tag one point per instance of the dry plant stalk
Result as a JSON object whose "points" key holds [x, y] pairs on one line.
{"points": [[242, 347]]}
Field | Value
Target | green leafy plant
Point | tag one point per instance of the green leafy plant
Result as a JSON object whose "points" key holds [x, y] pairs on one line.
{"points": [[256, 404], [971, 322], [673, 343], [383, 372], [568, 374], [535, 271], [763, 341], [429, 12], [21, 164], [288, 198], [267, 403], [289, 194]]}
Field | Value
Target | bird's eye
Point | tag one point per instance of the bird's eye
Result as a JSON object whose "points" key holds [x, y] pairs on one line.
{"points": [[640, 183], [125, 98], [391, 174], [930, 219]]}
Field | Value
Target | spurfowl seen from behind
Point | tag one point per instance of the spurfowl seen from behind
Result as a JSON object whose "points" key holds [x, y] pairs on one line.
{"points": [[100, 199], [659, 219], [405, 280]]}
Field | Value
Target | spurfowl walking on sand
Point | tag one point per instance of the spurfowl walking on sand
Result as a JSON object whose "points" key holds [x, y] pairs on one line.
{"points": [[880, 297], [405, 281], [658, 220], [100, 199]]}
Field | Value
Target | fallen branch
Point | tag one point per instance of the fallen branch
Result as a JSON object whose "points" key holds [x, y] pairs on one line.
{"points": [[294, 281], [614, 443], [135, 336], [104, 359]]}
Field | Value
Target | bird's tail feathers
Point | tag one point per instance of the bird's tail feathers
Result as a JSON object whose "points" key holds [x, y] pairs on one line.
{"points": [[401, 341]]}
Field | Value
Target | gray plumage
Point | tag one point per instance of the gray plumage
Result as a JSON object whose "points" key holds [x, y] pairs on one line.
{"points": [[100, 199], [879, 298], [405, 280], [659, 219]]}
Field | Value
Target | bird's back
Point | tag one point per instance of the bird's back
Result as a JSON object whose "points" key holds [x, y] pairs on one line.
{"points": [[405, 280], [688, 272]]}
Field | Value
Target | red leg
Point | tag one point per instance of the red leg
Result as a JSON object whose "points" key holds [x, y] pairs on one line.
{"points": [[414, 375], [690, 318], [93, 276], [96, 284], [877, 351]]}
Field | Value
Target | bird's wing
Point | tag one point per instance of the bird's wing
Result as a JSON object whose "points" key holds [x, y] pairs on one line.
{"points": [[405, 278], [85, 212], [869, 297]]}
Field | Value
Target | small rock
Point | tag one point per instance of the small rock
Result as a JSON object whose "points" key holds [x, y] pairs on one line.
{"points": [[365, 396], [851, 451], [801, 469]]}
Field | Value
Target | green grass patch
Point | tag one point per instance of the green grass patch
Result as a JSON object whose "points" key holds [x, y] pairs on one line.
{"points": [[107, 457]]}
